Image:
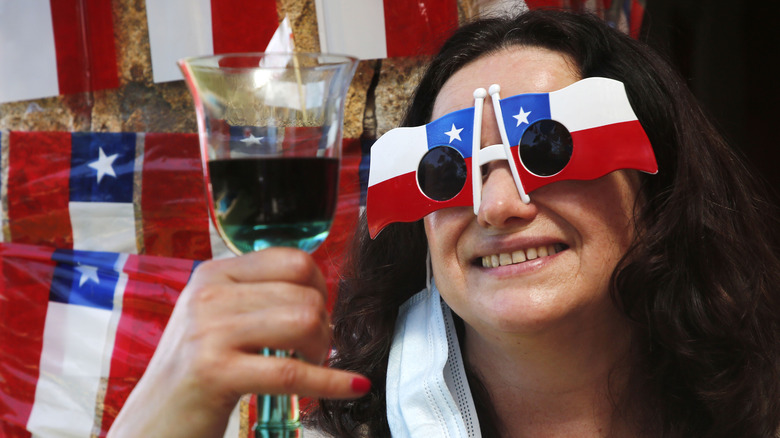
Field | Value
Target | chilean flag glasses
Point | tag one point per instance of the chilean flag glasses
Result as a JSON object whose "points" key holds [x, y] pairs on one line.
{"points": [[581, 132]]}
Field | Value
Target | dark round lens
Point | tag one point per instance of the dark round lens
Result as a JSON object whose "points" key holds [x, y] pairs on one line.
{"points": [[442, 173], [546, 147]]}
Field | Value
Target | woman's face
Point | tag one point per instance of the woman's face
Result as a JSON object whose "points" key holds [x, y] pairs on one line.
{"points": [[572, 234]]}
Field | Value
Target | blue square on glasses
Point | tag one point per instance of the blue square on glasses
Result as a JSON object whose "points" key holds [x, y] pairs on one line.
{"points": [[455, 129]]}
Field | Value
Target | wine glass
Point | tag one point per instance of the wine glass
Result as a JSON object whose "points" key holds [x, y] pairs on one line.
{"points": [[270, 127]]}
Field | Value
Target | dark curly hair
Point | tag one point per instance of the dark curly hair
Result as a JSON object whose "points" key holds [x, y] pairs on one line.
{"points": [[699, 284]]}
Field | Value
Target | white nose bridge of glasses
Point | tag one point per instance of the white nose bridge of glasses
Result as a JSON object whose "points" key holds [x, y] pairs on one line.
{"points": [[494, 152]]}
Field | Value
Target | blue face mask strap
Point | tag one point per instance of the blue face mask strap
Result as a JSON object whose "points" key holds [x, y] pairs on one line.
{"points": [[494, 91]]}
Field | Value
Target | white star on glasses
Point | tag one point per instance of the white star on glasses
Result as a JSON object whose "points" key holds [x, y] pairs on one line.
{"points": [[104, 165], [522, 116], [251, 139], [87, 273], [454, 133]]}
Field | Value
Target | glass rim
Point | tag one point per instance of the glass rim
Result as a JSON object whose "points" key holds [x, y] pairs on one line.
{"points": [[211, 61]]}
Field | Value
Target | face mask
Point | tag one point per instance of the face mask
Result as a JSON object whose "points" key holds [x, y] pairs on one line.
{"points": [[581, 132]]}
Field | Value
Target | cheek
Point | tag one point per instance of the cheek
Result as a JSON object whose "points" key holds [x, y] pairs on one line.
{"points": [[600, 212], [444, 229], [614, 209], [607, 218]]}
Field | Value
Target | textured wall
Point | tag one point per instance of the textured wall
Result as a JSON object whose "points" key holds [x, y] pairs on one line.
{"points": [[140, 105]]}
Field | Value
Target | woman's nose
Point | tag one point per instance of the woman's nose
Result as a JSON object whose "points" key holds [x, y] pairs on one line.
{"points": [[501, 204]]}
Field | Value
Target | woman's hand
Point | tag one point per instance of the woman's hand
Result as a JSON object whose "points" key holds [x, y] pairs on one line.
{"points": [[208, 355]]}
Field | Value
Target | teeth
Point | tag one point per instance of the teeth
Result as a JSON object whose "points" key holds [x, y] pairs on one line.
{"points": [[519, 256]]}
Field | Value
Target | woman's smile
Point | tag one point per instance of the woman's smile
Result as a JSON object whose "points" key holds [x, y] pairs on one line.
{"points": [[520, 255]]}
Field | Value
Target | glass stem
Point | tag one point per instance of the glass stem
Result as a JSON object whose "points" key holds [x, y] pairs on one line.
{"points": [[278, 416]]}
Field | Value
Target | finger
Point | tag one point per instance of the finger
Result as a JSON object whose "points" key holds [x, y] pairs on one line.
{"points": [[272, 264], [303, 329], [252, 374], [237, 298]]}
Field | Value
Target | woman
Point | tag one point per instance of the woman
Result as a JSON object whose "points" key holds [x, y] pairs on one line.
{"points": [[654, 313]]}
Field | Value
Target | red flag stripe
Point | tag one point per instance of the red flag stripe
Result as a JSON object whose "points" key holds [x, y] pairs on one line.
{"points": [[102, 50], [153, 286], [632, 151], [24, 293], [38, 188], [84, 42], [330, 256], [399, 199], [173, 198], [418, 27], [72, 65], [242, 25], [637, 14]]}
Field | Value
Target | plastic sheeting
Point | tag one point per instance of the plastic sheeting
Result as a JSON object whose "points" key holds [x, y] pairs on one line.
{"points": [[101, 232]]}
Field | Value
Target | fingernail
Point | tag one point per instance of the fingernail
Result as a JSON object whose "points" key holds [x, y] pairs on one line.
{"points": [[360, 384]]}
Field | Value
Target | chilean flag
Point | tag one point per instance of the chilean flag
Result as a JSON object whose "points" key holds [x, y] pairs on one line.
{"points": [[393, 193], [121, 192], [605, 132], [77, 330], [57, 47], [370, 29], [606, 136], [183, 28]]}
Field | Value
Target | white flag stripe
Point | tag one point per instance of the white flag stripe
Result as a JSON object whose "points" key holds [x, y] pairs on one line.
{"points": [[177, 29], [574, 105], [352, 27], [70, 370], [33, 73], [103, 226], [414, 141]]}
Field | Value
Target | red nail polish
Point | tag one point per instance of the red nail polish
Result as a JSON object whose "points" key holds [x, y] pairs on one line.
{"points": [[361, 384]]}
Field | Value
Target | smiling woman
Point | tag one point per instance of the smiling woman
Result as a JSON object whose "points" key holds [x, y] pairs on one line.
{"points": [[639, 299], [628, 305]]}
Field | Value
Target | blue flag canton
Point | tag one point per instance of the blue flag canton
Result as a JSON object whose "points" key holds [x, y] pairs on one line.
{"points": [[84, 278], [520, 111], [102, 166], [455, 129]]}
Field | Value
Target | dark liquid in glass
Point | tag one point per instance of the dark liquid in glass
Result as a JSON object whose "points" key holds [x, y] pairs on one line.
{"points": [[278, 201]]}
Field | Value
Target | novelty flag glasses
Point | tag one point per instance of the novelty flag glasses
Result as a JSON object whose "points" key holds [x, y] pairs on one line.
{"points": [[581, 132]]}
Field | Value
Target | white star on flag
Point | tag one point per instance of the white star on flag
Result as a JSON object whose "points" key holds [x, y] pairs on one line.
{"points": [[104, 165], [454, 133], [87, 273], [251, 139], [522, 116]]}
